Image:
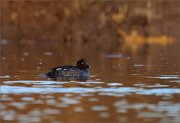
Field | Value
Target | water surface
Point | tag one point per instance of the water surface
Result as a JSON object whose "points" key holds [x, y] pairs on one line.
{"points": [[121, 88]]}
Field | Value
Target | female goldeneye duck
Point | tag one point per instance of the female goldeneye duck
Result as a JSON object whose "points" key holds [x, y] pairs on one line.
{"points": [[80, 70]]}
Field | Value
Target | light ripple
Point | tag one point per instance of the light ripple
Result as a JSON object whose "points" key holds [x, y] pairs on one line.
{"points": [[34, 82], [5, 89]]}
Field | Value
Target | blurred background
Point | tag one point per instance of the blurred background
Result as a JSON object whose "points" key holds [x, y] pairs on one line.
{"points": [[88, 28], [129, 44]]}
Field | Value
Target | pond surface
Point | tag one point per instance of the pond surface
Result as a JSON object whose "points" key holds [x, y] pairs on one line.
{"points": [[121, 88]]}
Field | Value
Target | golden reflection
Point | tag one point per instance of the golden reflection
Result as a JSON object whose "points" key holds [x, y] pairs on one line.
{"points": [[120, 15], [14, 16], [135, 40]]}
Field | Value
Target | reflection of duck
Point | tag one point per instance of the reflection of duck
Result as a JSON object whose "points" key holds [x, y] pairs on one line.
{"points": [[80, 70], [71, 78]]}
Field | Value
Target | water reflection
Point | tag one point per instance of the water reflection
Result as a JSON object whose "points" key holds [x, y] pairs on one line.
{"points": [[67, 78], [71, 78], [11, 88], [6, 76], [166, 77], [151, 97]]}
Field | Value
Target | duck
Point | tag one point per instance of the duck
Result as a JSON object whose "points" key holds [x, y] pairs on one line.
{"points": [[82, 69]]}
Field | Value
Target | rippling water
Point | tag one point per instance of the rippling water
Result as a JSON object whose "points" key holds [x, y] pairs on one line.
{"points": [[121, 88]]}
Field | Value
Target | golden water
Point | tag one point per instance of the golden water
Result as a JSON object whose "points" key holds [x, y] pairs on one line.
{"points": [[134, 87]]}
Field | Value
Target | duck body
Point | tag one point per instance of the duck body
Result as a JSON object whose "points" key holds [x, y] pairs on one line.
{"points": [[80, 70]]}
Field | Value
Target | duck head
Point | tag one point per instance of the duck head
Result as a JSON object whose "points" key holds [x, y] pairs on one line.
{"points": [[81, 64]]}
